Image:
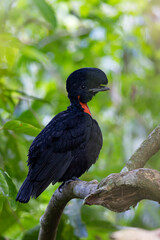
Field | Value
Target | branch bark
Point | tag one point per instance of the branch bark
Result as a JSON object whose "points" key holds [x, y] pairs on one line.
{"points": [[118, 192], [50, 220], [147, 149]]}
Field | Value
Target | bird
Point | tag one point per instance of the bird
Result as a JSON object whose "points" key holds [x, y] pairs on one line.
{"points": [[71, 142]]}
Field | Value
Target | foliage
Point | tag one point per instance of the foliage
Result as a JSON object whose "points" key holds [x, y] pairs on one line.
{"points": [[41, 43]]}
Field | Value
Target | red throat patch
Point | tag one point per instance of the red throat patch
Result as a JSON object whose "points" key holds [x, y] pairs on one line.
{"points": [[84, 106]]}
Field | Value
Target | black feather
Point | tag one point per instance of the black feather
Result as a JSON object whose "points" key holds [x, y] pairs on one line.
{"points": [[25, 191]]}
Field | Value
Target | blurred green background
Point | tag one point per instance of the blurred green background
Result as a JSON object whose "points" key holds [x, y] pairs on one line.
{"points": [[41, 43]]}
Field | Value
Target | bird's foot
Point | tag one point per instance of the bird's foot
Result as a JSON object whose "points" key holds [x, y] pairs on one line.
{"points": [[75, 179], [67, 182], [60, 187]]}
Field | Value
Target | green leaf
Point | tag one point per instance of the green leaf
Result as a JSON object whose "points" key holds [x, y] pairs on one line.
{"points": [[7, 189], [21, 127], [35, 54], [3, 185], [12, 190], [47, 11], [32, 233], [1, 201]]}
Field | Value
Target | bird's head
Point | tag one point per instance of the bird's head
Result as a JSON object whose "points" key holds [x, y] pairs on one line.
{"points": [[85, 83]]}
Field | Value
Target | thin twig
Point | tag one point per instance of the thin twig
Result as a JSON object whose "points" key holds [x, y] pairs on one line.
{"points": [[25, 94]]}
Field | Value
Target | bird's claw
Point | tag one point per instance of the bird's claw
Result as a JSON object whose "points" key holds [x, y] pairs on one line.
{"points": [[67, 182]]}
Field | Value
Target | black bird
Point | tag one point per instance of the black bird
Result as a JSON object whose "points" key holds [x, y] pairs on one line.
{"points": [[72, 140]]}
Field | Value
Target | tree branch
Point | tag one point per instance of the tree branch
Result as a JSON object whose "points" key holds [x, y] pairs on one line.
{"points": [[50, 220], [147, 149], [118, 192]]}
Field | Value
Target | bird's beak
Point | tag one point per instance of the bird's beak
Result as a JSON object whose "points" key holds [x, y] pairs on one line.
{"points": [[99, 89]]}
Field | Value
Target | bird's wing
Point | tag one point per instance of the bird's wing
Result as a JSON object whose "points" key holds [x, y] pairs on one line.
{"points": [[51, 152]]}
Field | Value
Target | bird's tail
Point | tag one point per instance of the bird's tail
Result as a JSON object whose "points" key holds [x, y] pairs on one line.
{"points": [[25, 191]]}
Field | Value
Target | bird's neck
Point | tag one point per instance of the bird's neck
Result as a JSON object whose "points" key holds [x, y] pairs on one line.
{"points": [[84, 106], [76, 104]]}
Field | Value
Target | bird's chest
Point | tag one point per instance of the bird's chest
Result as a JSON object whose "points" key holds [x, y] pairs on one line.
{"points": [[87, 153], [95, 142]]}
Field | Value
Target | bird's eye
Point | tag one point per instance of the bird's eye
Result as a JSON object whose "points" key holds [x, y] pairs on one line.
{"points": [[83, 86]]}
